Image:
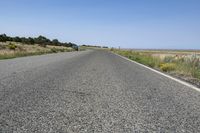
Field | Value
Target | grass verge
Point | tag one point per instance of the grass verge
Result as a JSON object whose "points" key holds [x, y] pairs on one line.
{"points": [[13, 50], [182, 67]]}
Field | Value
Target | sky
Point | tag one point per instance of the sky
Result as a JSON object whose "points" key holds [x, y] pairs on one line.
{"points": [[154, 24]]}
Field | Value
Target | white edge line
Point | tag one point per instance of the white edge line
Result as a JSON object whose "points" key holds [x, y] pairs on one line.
{"points": [[165, 75]]}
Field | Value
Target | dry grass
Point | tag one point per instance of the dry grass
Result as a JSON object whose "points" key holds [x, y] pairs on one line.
{"points": [[184, 63], [13, 49]]}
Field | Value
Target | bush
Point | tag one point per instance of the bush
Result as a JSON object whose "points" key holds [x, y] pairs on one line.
{"points": [[166, 67], [12, 46], [62, 50], [54, 50]]}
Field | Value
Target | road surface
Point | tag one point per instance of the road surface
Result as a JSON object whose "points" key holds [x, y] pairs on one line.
{"points": [[92, 91]]}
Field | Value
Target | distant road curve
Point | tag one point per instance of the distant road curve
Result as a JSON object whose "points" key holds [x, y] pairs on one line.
{"points": [[92, 91]]}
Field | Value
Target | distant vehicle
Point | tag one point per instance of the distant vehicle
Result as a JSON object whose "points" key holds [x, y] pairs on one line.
{"points": [[75, 47]]}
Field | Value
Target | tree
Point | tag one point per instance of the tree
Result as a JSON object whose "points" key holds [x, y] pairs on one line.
{"points": [[55, 42], [31, 40], [70, 44], [3, 38], [24, 40], [42, 41], [65, 44], [17, 39]]}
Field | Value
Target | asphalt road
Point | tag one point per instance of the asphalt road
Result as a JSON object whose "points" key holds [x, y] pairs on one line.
{"points": [[92, 91]]}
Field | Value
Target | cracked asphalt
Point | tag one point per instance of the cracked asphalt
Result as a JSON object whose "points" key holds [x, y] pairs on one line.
{"points": [[92, 91]]}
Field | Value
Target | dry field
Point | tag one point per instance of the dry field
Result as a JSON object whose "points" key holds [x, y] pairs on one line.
{"points": [[13, 49], [184, 64], [172, 53]]}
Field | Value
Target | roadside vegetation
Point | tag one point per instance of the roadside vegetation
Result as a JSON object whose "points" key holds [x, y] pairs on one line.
{"points": [[11, 47], [94, 47], [182, 64]]}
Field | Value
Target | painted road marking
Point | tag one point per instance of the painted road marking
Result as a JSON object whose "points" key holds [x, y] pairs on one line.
{"points": [[163, 74]]}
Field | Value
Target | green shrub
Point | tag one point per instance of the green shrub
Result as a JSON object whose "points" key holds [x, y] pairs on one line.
{"points": [[54, 50], [62, 50], [12, 46], [167, 67]]}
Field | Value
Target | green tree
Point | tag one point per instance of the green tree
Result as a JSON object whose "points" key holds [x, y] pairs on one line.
{"points": [[55, 42], [42, 41], [17, 39], [31, 40], [3, 38]]}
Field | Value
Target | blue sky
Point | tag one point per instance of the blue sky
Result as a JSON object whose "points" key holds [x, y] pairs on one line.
{"points": [[169, 24]]}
